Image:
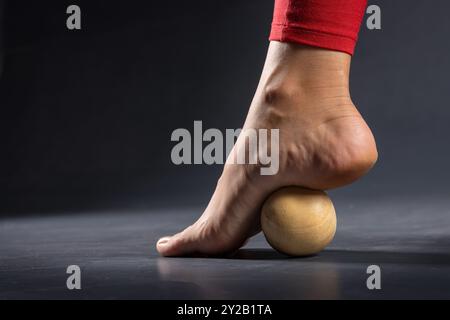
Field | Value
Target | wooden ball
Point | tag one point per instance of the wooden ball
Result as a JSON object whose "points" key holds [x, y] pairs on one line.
{"points": [[298, 221]]}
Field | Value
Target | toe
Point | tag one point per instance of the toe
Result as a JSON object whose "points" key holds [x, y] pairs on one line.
{"points": [[180, 244]]}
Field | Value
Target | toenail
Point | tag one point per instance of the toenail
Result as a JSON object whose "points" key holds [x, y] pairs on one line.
{"points": [[163, 240]]}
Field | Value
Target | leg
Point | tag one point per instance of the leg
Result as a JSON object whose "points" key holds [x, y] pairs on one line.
{"points": [[324, 143]]}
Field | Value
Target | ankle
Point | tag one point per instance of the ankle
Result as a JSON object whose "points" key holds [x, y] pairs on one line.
{"points": [[293, 71]]}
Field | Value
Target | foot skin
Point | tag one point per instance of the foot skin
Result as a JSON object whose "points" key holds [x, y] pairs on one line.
{"points": [[324, 144]]}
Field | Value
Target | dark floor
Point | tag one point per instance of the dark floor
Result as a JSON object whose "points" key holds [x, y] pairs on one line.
{"points": [[408, 238]]}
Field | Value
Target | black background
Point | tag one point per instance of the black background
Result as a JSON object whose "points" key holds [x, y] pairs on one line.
{"points": [[86, 115]]}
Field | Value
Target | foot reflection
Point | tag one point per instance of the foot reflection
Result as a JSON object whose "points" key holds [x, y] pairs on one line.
{"points": [[250, 274]]}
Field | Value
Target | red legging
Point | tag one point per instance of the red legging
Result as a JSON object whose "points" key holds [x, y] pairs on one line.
{"points": [[329, 24]]}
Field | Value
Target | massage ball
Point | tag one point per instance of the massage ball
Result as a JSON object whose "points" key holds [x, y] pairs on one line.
{"points": [[298, 221]]}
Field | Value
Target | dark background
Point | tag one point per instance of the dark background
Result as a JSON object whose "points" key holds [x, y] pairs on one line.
{"points": [[86, 116]]}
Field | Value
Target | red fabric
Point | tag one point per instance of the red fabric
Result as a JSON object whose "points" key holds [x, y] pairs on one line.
{"points": [[329, 24]]}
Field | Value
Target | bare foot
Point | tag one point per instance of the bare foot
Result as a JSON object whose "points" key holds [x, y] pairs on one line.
{"points": [[324, 143]]}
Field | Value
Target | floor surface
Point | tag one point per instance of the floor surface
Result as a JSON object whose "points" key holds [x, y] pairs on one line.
{"points": [[408, 238]]}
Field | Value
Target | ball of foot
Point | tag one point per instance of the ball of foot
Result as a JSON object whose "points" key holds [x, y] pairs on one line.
{"points": [[298, 221]]}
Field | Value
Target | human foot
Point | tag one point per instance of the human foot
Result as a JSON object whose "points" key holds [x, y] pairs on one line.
{"points": [[324, 143]]}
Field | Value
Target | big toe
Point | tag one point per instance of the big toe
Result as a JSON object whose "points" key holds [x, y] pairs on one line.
{"points": [[180, 244]]}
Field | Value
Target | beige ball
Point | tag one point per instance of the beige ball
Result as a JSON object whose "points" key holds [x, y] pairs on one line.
{"points": [[298, 221]]}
